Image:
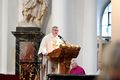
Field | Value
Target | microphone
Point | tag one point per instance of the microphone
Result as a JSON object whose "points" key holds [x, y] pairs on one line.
{"points": [[62, 39]]}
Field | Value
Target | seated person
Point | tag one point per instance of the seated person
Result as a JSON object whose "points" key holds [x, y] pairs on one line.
{"points": [[110, 62], [76, 69]]}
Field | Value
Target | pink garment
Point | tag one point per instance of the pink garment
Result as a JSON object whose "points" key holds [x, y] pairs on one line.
{"points": [[77, 70]]}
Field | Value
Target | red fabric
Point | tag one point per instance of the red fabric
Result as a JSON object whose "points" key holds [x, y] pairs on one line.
{"points": [[77, 70], [9, 77]]}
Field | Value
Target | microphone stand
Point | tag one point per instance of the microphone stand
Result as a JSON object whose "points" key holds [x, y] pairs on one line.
{"points": [[62, 39]]}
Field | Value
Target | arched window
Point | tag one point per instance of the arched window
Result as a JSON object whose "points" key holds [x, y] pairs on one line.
{"points": [[106, 23]]}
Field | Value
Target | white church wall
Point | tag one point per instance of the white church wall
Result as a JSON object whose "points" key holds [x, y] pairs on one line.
{"points": [[89, 39], [59, 15], [75, 24], [0, 33], [4, 24], [12, 24], [8, 20], [77, 19]]}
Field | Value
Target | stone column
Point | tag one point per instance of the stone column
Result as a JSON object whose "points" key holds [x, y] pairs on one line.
{"points": [[89, 46], [4, 36], [59, 15]]}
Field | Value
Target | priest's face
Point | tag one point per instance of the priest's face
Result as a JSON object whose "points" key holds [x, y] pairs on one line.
{"points": [[55, 31]]}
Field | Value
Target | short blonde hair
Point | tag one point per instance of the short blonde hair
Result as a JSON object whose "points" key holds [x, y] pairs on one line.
{"points": [[111, 56], [110, 60]]}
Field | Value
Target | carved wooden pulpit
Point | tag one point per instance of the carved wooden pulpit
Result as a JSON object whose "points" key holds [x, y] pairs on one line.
{"points": [[63, 56]]}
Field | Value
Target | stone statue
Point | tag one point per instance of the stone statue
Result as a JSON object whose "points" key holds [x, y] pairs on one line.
{"points": [[33, 12]]}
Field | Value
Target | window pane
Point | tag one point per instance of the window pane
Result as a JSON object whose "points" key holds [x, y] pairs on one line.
{"points": [[109, 7], [106, 10], [105, 31], [105, 19], [106, 24], [109, 30]]}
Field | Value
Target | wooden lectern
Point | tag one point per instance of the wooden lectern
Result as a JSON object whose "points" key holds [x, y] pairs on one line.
{"points": [[63, 56]]}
